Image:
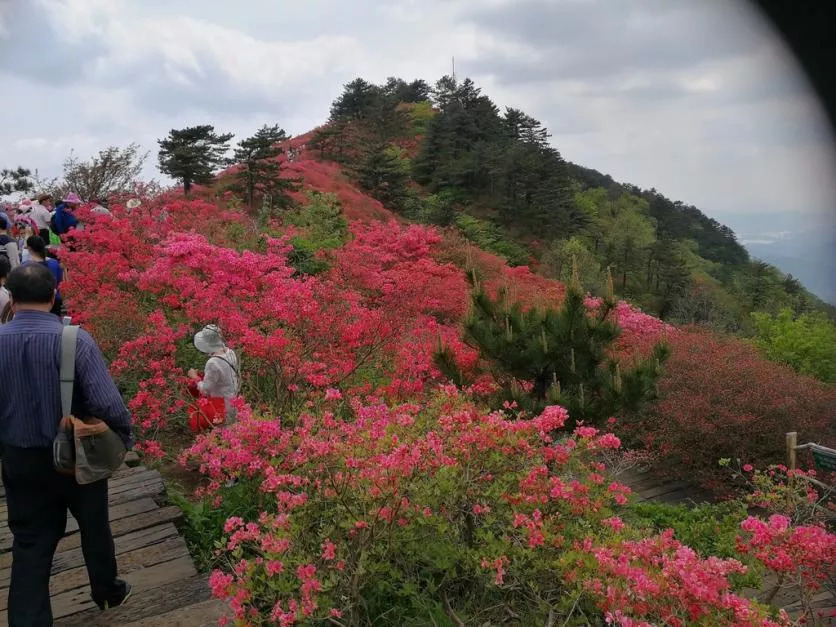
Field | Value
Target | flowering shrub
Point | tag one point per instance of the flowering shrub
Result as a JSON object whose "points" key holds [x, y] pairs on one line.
{"points": [[142, 281], [720, 399], [796, 494], [414, 509], [801, 557]]}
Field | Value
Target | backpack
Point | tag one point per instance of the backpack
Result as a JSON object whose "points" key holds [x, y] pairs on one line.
{"points": [[53, 224]]}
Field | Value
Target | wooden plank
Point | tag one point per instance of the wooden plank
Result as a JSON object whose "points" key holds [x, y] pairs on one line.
{"points": [[129, 562], [122, 475], [127, 483], [654, 493], [142, 605], [684, 496], [71, 558], [204, 614], [122, 470], [119, 528], [153, 489], [148, 483], [128, 525], [78, 600], [117, 512], [125, 543]]}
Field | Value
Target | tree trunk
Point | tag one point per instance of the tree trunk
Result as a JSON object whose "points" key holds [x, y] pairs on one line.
{"points": [[250, 191], [187, 186]]}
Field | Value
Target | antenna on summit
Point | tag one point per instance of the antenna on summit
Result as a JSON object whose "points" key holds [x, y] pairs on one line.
{"points": [[454, 69]]}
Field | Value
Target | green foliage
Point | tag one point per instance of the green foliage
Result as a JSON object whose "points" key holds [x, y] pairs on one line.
{"points": [[384, 172], [260, 170], [559, 258], [709, 529], [193, 154], [806, 343], [322, 220], [562, 353], [420, 114], [324, 227], [435, 209], [203, 520], [488, 236]]}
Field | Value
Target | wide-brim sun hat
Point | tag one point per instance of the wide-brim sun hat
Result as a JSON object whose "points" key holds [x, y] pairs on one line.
{"points": [[209, 339], [133, 203], [72, 199]]}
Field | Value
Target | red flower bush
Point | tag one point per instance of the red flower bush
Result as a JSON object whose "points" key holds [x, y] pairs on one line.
{"points": [[720, 399], [475, 506]]}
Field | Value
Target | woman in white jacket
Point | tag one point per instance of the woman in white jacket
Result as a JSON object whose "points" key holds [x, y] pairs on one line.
{"points": [[220, 380]]}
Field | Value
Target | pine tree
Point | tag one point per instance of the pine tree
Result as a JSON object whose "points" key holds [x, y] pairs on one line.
{"points": [[563, 352], [384, 172], [18, 179], [193, 155], [260, 167]]}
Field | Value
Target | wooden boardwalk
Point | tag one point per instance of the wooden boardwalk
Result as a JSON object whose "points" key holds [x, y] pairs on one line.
{"points": [[167, 590], [647, 486]]}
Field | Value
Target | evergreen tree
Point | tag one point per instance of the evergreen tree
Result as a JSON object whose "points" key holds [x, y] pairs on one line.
{"points": [[193, 154], [384, 173], [18, 179], [563, 352], [357, 98], [260, 167]]}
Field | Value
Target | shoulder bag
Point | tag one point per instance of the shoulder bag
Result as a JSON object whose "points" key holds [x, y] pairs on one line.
{"points": [[86, 448]]}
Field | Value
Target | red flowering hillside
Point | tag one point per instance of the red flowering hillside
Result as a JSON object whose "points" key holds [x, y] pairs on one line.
{"points": [[363, 476]]}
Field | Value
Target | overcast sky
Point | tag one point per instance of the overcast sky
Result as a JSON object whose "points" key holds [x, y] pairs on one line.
{"points": [[697, 98]]}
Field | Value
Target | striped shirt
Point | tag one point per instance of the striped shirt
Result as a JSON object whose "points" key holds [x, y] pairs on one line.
{"points": [[30, 387]]}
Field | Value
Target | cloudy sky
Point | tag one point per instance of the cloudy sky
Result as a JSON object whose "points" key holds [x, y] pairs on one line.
{"points": [[697, 98]]}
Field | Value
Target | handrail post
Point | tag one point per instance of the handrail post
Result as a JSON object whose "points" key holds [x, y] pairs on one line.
{"points": [[792, 442]]}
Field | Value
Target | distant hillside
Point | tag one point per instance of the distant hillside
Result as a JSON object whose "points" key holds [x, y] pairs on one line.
{"points": [[447, 155], [816, 268]]}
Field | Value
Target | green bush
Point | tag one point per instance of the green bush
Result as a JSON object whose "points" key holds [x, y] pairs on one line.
{"points": [[420, 114], [203, 521], [435, 209], [487, 236], [806, 343], [321, 220], [323, 226], [709, 529]]}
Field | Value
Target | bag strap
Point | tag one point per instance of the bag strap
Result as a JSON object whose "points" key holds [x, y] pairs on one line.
{"points": [[231, 367], [69, 335]]}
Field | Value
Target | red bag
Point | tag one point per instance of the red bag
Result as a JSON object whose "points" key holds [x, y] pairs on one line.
{"points": [[193, 389], [207, 413]]}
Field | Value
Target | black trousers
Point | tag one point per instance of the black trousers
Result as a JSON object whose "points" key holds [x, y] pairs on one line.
{"points": [[44, 235], [38, 499]]}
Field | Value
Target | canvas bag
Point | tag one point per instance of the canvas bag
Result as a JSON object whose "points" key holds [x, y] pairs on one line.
{"points": [[87, 449]]}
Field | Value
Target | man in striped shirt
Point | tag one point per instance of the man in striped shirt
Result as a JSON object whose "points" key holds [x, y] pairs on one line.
{"points": [[37, 496]]}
